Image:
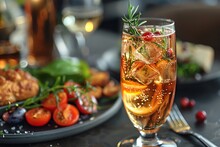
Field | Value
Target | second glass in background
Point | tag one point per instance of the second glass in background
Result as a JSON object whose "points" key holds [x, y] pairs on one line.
{"points": [[41, 21], [81, 17]]}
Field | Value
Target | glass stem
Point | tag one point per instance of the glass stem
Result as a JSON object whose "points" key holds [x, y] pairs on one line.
{"points": [[146, 139], [82, 44]]}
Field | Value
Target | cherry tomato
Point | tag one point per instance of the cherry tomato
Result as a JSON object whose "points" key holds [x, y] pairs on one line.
{"points": [[86, 103], [38, 116], [50, 103], [70, 93], [66, 116], [148, 36]]}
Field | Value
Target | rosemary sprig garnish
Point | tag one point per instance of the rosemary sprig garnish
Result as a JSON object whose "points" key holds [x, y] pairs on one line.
{"points": [[133, 20]]}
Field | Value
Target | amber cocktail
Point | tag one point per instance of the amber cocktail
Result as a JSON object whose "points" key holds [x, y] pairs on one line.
{"points": [[148, 76]]}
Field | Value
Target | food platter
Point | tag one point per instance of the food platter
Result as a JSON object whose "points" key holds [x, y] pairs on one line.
{"points": [[24, 133], [76, 81], [213, 74]]}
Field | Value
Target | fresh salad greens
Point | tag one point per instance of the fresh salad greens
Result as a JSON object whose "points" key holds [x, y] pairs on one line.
{"points": [[74, 69], [188, 70]]}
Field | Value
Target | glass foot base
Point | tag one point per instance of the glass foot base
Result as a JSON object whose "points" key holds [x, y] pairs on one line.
{"points": [[134, 142]]}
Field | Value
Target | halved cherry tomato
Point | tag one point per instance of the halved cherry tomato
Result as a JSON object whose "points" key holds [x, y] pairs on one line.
{"points": [[38, 116], [50, 103], [66, 116], [86, 103], [70, 93]]}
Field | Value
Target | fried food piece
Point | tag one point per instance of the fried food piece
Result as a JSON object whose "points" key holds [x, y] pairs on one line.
{"points": [[96, 92], [6, 95], [111, 89], [99, 78], [16, 85], [103, 85]]}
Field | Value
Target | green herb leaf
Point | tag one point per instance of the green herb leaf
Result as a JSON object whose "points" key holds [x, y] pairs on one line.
{"points": [[74, 69], [133, 20], [66, 67]]}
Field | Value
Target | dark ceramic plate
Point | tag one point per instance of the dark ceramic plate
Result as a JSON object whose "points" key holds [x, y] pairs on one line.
{"points": [[24, 133]]}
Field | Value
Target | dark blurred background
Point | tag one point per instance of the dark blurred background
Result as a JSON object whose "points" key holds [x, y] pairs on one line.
{"points": [[197, 21], [115, 9]]}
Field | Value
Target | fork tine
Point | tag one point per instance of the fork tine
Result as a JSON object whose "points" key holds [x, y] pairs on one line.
{"points": [[179, 114], [173, 120], [170, 121], [176, 119]]}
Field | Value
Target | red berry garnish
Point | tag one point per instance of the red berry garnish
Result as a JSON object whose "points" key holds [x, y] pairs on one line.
{"points": [[201, 116], [157, 33], [184, 102], [192, 103], [148, 36], [169, 52]]}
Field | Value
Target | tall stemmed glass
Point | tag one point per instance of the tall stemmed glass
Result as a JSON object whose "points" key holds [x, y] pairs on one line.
{"points": [[148, 78], [82, 17]]}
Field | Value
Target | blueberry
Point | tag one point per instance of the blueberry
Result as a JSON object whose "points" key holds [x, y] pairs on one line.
{"points": [[15, 115]]}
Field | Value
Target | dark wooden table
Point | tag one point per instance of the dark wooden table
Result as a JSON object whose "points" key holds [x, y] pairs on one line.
{"points": [[207, 96]]}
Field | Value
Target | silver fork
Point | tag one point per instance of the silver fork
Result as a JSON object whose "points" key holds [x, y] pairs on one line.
{"points": [[179, 125]]}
